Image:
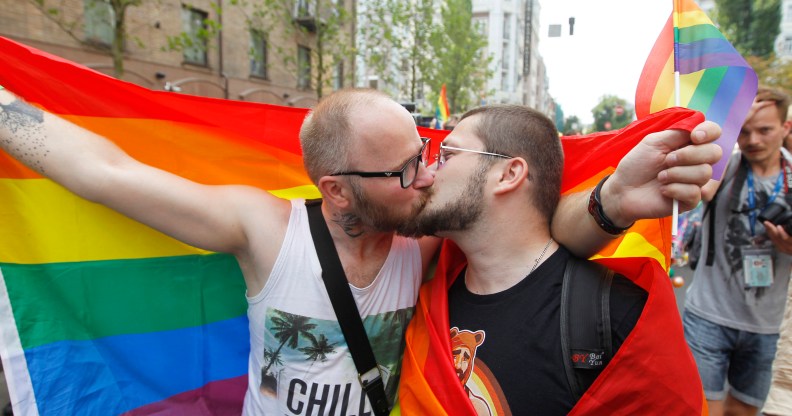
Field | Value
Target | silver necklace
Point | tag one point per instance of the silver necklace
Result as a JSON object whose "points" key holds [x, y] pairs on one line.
{"points": [[541, 256], [536, 263]]}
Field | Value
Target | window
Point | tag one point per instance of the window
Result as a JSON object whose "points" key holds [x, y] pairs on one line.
{"points": [[258, 54], [338, 76], [788, 16], [302, 8], [193, 23], [99, 18], [506, 58], [303, 67], [506, 26], [480, 22]]}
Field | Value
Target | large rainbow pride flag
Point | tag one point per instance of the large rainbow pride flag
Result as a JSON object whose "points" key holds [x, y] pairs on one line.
{"points": [[712, 76], [102, 315]]}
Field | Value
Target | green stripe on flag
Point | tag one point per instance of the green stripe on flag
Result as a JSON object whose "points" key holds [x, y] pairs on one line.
{"points": [[87, 300], [699, 32], [707, 88]]}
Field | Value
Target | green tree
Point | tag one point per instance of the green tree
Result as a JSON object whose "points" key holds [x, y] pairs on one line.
{"points": [[112, 10], [572, 125], [612, 113], [458, 47], [773, 71], [324, 25], [394, 35], [750, 25]]}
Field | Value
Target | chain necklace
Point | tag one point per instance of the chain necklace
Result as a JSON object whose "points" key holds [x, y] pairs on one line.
{"points": [[536, 263], [541, 256]]}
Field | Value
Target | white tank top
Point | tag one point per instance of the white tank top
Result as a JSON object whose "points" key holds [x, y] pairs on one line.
{"points": [[299, 362]]}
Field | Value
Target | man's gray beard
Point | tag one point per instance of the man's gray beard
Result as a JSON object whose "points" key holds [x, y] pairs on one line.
{"points": [[379, 216], [455, 215]]}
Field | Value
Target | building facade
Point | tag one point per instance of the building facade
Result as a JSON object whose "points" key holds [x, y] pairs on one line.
{"points": [[211, 48], [519, 74]]}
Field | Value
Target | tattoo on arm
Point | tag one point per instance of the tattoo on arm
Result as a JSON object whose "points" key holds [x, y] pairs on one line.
{"points": [[350, 224], [26, 142]]}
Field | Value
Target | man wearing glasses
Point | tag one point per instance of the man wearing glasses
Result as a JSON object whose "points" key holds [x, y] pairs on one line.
{"points": [[355, 145], [497, 187]]}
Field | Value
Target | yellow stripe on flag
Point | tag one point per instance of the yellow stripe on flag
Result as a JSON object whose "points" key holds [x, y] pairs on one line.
{"points": [[44, 223], [687, 86], [664, 92]]}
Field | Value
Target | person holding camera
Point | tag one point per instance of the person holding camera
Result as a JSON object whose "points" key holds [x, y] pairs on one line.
{"points": [[735, 304]]}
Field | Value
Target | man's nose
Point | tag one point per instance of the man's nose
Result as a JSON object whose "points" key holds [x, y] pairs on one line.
{"points": [[425, 177], [754, 137]]}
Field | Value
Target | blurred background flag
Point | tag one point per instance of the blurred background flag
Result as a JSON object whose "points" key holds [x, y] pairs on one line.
{"points": [[441, 112], [693, 65]]}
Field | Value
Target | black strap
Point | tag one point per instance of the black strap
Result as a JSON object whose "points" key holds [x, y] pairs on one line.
{"points": [[346, 310], [586, 339], [735, 182]]}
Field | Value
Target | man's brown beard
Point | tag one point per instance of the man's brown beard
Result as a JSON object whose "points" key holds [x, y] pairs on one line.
{"points": [[379, 216], [455, 215]]}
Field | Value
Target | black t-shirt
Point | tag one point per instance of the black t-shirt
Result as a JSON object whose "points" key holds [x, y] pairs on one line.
{"points": [[514, 340]]}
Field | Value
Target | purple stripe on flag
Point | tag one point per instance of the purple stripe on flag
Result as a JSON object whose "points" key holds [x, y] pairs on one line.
{"points": [[705, 46], [689, 66], [733, 122], [218, 398]]}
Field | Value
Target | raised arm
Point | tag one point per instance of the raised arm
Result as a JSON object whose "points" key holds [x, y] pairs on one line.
{"points": [[664, 166], [215, 218]]}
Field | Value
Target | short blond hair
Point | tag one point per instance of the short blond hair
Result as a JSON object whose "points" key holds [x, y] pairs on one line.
{"points": [[326, 132]]}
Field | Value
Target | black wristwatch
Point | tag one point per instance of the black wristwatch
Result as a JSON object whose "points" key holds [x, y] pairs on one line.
{"points": [[595, 209]]}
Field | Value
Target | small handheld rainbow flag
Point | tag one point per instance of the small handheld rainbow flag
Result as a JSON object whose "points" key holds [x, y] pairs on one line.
{"points": [[441, 112], [693, 65]]}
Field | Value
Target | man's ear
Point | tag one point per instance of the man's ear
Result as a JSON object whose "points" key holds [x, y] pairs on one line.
{"points": [[335, 190], [513, 175], [787, 125]]}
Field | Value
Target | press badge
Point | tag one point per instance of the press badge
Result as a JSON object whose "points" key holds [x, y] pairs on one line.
{"points": [[757, 266]]}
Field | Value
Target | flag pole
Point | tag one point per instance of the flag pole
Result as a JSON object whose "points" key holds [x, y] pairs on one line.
{"points": [[675, 13]]}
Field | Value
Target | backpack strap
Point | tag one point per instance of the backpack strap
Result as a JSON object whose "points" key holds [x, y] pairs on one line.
{"points": [[586, 341], [734, 178], [346, 311]]}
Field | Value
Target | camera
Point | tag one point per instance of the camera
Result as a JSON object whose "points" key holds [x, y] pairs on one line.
{"points": [[777, 214]]}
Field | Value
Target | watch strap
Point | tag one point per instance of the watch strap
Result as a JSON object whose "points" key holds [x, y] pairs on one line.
{"points": [[595, 209]]}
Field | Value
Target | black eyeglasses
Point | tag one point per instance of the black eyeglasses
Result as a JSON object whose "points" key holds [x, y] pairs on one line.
{"points": [[406, 174]]}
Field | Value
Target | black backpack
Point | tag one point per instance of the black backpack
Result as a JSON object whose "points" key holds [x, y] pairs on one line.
{"points": [[586, 339]]}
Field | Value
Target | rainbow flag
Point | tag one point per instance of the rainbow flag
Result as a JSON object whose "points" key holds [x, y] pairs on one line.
{"points": [[101, 315], [441, 112], [639, 379], [713, 77]]}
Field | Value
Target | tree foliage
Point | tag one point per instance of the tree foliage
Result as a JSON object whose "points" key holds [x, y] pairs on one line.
{"points": [[325, 28], [459, 50], [572, 125], [54, 10], [393, 42], [773, 71], [612, 113], [750, 25]]}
